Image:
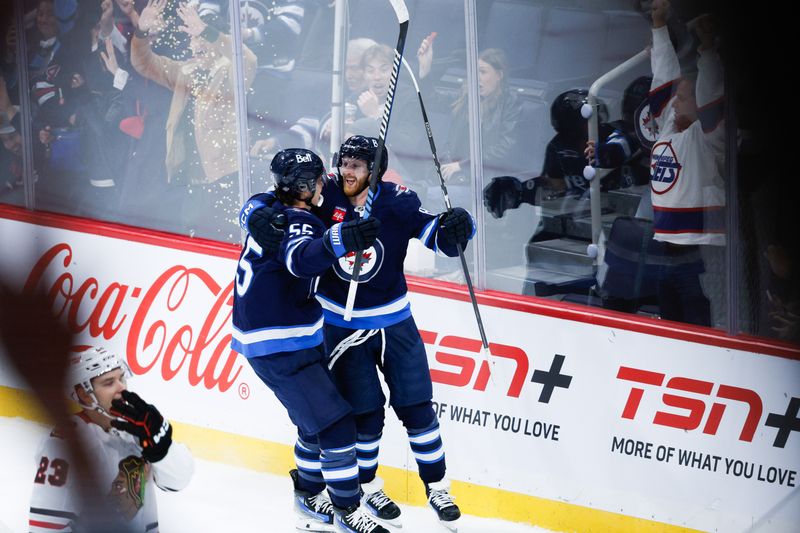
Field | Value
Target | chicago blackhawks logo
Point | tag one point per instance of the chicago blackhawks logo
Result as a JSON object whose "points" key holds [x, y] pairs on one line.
{"points": [[664, 168], [373, 259]]}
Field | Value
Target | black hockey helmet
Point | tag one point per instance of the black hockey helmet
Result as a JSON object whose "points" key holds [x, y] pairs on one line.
{"points": [[364, 148], [565, 111], [295, 171], [635, 93]]}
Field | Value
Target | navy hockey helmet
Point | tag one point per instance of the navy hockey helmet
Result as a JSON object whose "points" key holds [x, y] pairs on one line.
{"points": [[364, 148], [635, 93], [295, 171]]}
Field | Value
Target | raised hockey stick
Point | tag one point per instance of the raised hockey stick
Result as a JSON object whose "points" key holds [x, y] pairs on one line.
{"points": [[449, 207], [401, 11]]}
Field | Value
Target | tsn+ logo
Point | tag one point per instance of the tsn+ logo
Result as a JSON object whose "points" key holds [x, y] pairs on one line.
{"points": [[719, 396], [468, 366]]}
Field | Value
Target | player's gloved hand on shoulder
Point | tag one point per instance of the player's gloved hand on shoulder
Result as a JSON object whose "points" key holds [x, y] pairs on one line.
{"points": [[267, 228], [505, 192], [455, 227], [351, 236], [143, 421]]}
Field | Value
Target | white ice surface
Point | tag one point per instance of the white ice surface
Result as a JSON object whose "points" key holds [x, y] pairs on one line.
{"points": [[220, 498]]}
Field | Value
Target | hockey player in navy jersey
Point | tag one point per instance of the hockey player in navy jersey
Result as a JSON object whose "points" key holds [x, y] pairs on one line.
{"points": [[277, 326], [382, 333]]}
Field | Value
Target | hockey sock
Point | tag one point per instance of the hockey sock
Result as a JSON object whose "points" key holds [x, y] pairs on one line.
{"points": [[338, 462], [422, 427], [306, 457], [368, 441]]}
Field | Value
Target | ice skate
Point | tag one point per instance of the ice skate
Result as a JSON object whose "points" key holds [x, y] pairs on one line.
{"points": [[314, 511], [379, 504], [442, 502], [356, 519]]}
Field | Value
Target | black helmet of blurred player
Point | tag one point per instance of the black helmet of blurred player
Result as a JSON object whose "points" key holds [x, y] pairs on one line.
{"points": [[565, 113], [364, 148], [635, 93], [295, 172]]}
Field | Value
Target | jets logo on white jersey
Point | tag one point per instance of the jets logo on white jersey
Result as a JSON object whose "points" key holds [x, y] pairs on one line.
{"points": [[665, 168], [373, 259]]}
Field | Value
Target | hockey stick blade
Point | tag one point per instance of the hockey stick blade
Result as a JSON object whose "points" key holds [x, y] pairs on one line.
{"points": [[401, 11]]}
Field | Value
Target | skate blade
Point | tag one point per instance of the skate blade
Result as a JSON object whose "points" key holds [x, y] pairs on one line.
{"points": [[316, 526], [396, 523], [449, 526]]}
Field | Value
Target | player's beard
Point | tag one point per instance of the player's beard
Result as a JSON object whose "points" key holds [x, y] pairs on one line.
{"points": [[354, 190]]}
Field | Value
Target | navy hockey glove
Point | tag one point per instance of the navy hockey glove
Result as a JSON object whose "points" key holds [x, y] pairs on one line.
{"points": [[143, 421], [267, 228], [455, 227], [351, 236]]}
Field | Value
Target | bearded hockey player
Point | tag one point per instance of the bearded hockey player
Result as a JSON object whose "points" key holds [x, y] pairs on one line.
{"points": [[382, 333]]}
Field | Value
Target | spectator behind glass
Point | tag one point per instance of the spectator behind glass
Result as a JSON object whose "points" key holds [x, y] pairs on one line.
{"points": [[353, 69], [10, 153], [406, 126], [272, 30], [53, 61], [201, 132], [688, 192], [308, 131], [102, 92], [8, 58], [500, 111]]}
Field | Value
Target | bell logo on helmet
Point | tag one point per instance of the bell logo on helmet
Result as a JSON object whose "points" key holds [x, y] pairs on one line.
{"points": [[300, 158]]}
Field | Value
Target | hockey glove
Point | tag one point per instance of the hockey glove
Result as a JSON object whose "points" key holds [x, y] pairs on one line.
{"points": [[455, 227], [502, 193], [267, 228], [143, 421], [351, 236]]}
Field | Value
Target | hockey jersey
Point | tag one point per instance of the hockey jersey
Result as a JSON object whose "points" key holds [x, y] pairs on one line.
{"points": [[128, 479], [381, 299], [274, 309], [686, 184]]}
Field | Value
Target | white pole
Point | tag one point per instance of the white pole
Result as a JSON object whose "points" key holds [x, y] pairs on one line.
{"points": [[594, 132], [337, 89]]}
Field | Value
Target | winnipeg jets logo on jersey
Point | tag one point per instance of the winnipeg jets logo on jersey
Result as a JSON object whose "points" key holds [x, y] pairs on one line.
{"points": [[400, 189], [665, 168], [645, 127], [373, 259]]}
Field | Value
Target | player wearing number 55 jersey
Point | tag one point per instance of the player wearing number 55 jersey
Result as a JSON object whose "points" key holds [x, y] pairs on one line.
{"points": [[131, 447], [277, 326]]}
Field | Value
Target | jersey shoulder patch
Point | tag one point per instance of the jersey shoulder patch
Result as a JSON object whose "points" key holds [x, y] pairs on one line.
{"points": [[400, 189]]}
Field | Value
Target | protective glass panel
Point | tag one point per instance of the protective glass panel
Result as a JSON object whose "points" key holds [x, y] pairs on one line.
{"points": [[12, 149], [290, 102], [135, 127], [658, 231]]}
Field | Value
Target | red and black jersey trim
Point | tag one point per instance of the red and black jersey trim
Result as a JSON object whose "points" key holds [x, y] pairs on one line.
{"points": [[58, 519]]}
